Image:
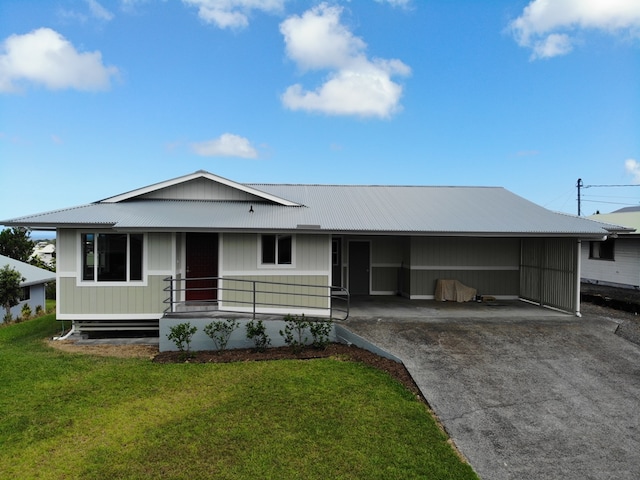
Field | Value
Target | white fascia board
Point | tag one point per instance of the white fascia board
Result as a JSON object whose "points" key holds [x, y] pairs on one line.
{"points": [[200, 174]]}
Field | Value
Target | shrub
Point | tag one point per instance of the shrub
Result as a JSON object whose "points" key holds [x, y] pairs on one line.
{"points": [[295, 331], [220, 331], [7, 318], [320, 330], [257, 332], [39, 311], [181, 335], [25, 312]]}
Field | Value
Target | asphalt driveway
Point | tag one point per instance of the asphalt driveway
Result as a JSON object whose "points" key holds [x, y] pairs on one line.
{"points": [[525, 397]]}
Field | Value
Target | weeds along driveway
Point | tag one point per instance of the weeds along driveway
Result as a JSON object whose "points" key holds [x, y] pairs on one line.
{"points": [[554, 397]]}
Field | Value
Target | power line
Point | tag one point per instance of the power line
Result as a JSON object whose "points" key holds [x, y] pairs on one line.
{"points": [[580, 185]]}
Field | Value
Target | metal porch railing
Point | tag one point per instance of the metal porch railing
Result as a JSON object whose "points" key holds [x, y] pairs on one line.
{"points": [[259, 295]]}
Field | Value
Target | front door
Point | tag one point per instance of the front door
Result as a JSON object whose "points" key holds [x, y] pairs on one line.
{"points": [[359, 253], [201, 261]]}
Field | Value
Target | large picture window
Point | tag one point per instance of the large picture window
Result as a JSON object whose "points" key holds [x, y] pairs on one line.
{"points": [[112, 257], [277, 249], [602, 250]]}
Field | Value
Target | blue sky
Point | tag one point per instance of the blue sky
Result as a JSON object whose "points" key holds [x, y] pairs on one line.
{"points": [[102, 97]]}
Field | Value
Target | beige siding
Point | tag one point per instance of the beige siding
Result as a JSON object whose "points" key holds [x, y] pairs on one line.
{"points": [[276, 291], [490, 265], [240, 254], [623, 270], [125, 299], [66, 250], [447, 251], [199, 189], [159, 251]]}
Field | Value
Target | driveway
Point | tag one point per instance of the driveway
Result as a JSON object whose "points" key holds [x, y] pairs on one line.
{"points": [[547, 396]]}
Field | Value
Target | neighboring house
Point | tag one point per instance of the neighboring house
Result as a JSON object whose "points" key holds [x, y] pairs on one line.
{"points": [[289, 248], [33, 287], [614, 261], [46, 252]]}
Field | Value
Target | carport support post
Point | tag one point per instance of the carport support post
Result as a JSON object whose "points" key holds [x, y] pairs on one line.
{"points": [[578, 275]]}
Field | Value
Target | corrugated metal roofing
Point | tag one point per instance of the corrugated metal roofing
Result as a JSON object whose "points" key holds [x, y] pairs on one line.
{"points": [[337, 208], [33, 275]]}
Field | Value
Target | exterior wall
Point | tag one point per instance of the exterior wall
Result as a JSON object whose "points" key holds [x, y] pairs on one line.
{"points": [[307, 279], [36, 298], [549, 272], [623, 271], [490, 265], [127, 300]]}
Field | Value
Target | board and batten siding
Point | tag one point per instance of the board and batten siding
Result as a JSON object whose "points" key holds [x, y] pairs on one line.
{"points": [[548, 272], [307, 281], [199, 189], [490, 265], [623, 270], [77, 300]]}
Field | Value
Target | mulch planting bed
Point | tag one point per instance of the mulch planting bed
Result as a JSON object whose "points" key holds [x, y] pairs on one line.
{"points": [[336, 351]]}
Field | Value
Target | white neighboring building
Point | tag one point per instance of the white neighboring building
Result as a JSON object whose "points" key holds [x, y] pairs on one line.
{"points": [[615, 261], [33, 287], [45, 251]]}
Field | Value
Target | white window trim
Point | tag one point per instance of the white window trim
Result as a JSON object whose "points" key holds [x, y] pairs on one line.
{"points": [[95, 283], [277, 266]]}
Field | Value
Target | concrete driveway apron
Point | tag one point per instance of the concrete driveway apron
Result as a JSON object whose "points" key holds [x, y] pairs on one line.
{"points": [[548, 397]]}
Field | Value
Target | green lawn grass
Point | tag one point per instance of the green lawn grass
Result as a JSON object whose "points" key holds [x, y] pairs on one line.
{"points": [[72, 416]]}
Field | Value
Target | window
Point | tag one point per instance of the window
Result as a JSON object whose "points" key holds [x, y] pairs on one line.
{"points": [[112, 257], [602, 250], [25, 293], [277, 250]]}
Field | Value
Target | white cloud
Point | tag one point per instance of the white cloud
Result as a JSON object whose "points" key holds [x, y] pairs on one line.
{"points": [[227, 145], [232, 13], [356, 85], [544, 25], [396, 3], [98, 11], [632, 167], [45, 57]]}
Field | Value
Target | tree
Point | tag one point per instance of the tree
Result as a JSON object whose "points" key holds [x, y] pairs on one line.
{"points": [[10, 289], [16, 243]]}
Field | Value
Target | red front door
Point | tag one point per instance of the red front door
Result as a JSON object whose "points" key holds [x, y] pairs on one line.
{"points": [[202, 261]]}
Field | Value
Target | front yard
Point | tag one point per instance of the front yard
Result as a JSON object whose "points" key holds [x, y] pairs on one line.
{"points": [[68, 415]]}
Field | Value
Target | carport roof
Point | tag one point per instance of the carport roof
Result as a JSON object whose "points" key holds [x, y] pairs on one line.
{"points": [[356, 209]]}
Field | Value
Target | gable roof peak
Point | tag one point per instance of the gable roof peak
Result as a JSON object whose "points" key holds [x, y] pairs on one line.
{"points": [[200, 174]]}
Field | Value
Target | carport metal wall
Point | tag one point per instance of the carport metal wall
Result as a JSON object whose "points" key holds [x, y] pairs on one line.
{"points": [[549, 271]]}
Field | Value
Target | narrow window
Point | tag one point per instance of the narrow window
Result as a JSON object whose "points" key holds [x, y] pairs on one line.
{"points": [[269, 249], [25, 293], [276, 249], [602, 250], [135, 257], [88, 256], [284, 249]]}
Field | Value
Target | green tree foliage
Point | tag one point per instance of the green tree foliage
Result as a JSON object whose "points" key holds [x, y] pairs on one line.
{"points": [[10, 290], [16, 243]]}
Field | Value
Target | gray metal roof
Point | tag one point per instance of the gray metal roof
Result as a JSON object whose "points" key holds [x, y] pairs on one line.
{"points": [[420, 210], [33, 275]]}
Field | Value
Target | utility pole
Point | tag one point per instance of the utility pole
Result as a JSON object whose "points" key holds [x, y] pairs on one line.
{"points": [[579, 185]]}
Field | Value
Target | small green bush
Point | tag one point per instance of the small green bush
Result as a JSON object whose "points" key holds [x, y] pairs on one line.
{"points": [[39, 311], [181, 334], [295, 331], [25, 312], [220, 331], [320, 330], [257, 332]]}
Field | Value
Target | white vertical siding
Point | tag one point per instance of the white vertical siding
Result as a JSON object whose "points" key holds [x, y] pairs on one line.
{"points": [[624, 270]]}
